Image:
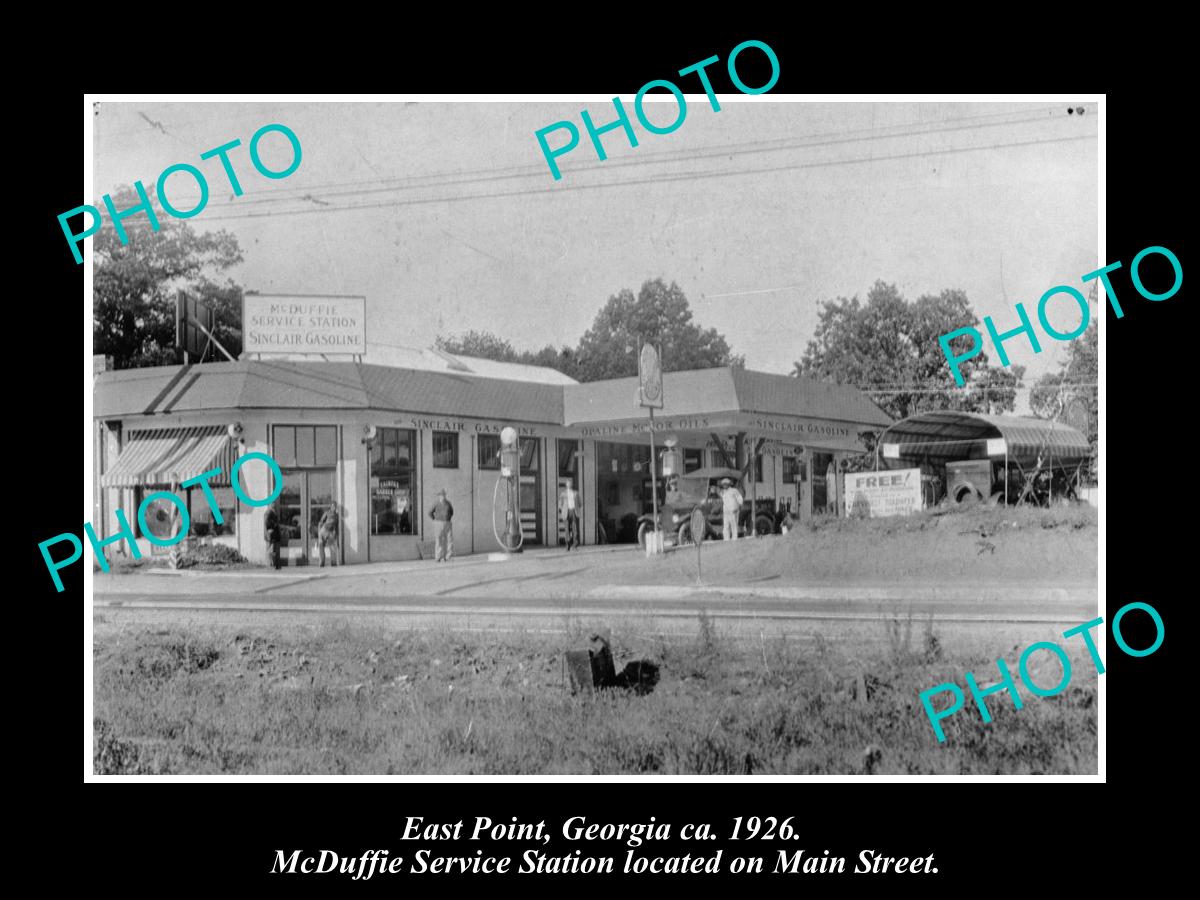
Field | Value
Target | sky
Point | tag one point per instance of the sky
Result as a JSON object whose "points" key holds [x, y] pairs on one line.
{"points": [[446, 217]]}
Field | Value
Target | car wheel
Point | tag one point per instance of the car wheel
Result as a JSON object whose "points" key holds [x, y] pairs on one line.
{"points": [[643, 529], [684, 534], [966, 496]]}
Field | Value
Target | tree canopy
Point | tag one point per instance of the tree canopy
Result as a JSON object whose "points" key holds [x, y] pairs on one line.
{"points": [[659, 314], [888, 347], [134, 287], [1076, 382], [485, 345]]}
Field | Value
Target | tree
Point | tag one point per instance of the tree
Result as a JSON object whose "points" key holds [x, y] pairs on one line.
{"points": [[134, 287], [480, 344], [1076, 381], [889, 348], [485, 345], [659, 314]]}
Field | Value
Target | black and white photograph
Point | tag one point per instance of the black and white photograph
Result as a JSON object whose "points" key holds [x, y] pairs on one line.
{"points": [[671, 435]]}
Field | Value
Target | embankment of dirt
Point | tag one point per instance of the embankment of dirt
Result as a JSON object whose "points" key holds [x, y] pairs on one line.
{"points": [[981, 544]]}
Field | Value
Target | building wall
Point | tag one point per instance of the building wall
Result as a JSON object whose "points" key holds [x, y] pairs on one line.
{"points": [[470, 489]]}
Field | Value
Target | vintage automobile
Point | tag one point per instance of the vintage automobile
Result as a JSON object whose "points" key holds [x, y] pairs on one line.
{"points": [[699, 489]]}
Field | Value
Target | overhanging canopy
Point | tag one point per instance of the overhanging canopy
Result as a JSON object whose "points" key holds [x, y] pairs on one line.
{"points": [[170, 456], [945, 435]]}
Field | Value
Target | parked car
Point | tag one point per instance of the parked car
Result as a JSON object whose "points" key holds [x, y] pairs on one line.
{"points": [[699, 489]]}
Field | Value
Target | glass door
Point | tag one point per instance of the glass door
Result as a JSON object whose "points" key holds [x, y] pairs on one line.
{"points": [[291, 518], [306, 495], [320, 499]]}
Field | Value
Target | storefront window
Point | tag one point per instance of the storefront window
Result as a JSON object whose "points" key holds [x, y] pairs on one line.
{"points": [[791, 470], [489, 451], [305, 445], [568, 460], [529, 455], [693, 459], [203, 523], [445, 449], [393, 482], [161, 515]]}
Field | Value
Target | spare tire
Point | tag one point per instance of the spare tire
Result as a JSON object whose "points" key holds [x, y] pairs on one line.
{"points": [[966, 495]]}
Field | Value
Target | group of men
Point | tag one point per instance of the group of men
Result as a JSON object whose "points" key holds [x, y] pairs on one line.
{"points": [[327, 534]]}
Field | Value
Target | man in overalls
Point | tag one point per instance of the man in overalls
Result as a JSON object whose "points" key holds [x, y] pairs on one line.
{"points": [[442, 513], [327, 535]]}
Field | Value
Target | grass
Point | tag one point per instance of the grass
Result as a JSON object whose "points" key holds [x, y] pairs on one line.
{"points": [[348, 699]]}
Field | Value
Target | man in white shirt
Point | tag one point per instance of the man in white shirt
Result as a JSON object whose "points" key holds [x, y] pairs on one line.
{"points": [[568, 505], [731, 505]]}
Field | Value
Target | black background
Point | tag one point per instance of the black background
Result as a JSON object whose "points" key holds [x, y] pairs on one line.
{"points": [[174, 836]]}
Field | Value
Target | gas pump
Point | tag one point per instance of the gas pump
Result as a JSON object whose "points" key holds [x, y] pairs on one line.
{"points": [[510, 476], [672, 460]]}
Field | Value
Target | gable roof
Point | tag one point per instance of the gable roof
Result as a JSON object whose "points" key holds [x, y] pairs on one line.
{"points": [[725, 390]]}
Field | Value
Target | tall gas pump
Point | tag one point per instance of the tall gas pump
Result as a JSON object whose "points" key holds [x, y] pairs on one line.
{"points": [[510, 474]]}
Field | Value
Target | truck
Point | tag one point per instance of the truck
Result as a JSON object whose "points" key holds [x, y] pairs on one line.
{"points": [[699, 489]]}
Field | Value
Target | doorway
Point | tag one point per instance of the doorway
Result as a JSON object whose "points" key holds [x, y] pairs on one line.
{"points": [[531, 494], [622, 490], [570, 457], [306, 495]]}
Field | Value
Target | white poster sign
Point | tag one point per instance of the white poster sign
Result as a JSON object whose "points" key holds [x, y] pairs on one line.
{"points": [[875, 494]]}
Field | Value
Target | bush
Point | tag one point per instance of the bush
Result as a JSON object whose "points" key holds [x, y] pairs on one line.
{"points": [[209, 555]]}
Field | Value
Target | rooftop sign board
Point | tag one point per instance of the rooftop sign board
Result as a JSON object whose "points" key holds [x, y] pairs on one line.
{"points": [[288, 324]]}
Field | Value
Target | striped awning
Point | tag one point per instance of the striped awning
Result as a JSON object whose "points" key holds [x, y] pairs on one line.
{"points": [[170, 456]]}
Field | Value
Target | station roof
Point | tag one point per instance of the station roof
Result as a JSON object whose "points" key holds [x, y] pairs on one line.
{"points": [[289, 384], [253, 384], [724, 390], [953, 435]]}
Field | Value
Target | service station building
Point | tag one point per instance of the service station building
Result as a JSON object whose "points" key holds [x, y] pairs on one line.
{"points": [[379, 441]]}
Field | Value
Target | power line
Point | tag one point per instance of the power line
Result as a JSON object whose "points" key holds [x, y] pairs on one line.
{"points": [[983, 120], [302, 192], [664, 179]]}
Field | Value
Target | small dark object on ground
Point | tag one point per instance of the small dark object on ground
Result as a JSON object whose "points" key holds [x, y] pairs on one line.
{"points": [[640, 676], [594, 669]]}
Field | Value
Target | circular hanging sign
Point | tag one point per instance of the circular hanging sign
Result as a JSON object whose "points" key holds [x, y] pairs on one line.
{"points": [[650, 375]]}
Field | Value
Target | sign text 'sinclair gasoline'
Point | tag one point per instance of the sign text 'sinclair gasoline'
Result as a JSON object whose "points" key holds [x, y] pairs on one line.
{"points": [[221, 152], [622, 120]]}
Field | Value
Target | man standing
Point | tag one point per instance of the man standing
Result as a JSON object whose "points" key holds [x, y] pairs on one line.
{"points": [[731, 505], [831, 488], [568, 505], [327, 535], [442, 513], [271, 534]]}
